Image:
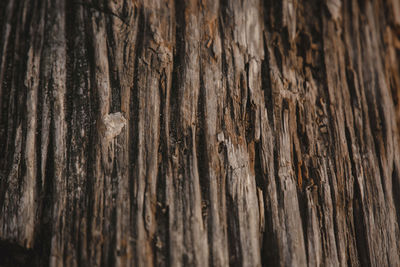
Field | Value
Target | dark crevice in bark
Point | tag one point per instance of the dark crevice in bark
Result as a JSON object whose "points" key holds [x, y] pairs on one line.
{"points": [[90, 190], [20, 69], [70, 79], [266, 85], [3, 5], [278, 57], [22, 170], [112, 253], [89, 182], [336, 206], [258, 170], [396, 191], [26, 20], [43, 241], [40, 178], [9, 93], [269, 248], [102, 224], [382, 120], [297, 169], [303, 45], [304, 139], [349, 260], [249, 112], [360, 229], [14, 255], [204, 164], [301, 198], [224, 14], [351, 82], [276, 173], [224, 63], [7, 47], [352, 164], [115, 84], [271, 255], [273, 15], [5, 129], [234, 251], [162, 214], [178, 64], [82, 261], [303, 204], [161, 240], [286, 43], [274, 256], [361, 5]]}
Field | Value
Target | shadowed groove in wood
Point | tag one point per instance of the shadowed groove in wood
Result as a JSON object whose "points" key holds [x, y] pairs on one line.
{"points": [[257, 133]]}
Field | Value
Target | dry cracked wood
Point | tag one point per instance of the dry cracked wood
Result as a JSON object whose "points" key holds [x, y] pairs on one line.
{"points": [[199, 133]]}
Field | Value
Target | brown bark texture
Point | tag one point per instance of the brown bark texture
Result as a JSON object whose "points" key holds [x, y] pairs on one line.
{"points": [[199, 133]]}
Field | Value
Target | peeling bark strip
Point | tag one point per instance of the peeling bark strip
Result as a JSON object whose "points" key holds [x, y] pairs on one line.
{"points": [[199, 133]]}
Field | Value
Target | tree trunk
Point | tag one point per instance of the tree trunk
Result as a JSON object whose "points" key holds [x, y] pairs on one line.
{"points": [[199, 133]]}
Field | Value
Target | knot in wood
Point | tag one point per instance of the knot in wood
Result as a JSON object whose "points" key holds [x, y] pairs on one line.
{"points": [[113, 124]]}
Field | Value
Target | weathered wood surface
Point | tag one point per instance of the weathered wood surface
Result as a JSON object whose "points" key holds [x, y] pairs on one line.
{"points": [[199, 133]]}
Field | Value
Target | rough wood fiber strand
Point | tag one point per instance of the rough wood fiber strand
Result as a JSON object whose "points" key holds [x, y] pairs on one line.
{"points": [[199, 133]]}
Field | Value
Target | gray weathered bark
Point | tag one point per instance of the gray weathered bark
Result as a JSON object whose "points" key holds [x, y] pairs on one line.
{"points": [[199, 133]]}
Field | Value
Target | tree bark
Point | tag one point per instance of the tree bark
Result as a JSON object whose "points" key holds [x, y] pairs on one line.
{"points": [[199, 133]]}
